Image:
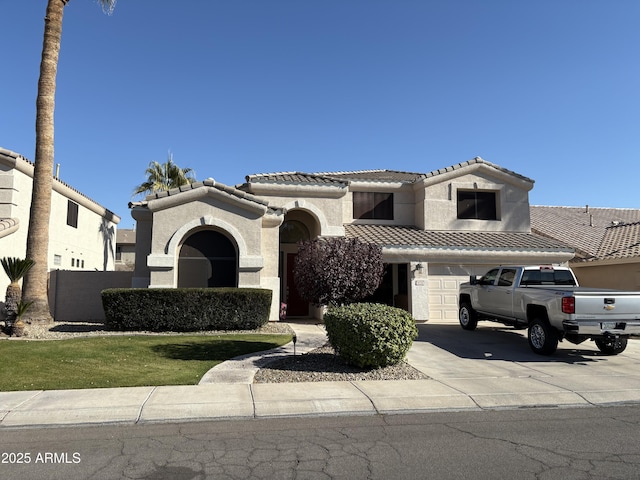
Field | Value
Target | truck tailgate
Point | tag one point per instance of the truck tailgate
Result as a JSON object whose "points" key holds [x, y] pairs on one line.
{"points": [[612, 305]]}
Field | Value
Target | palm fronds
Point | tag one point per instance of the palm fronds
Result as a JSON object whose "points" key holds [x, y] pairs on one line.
{"points": [[15, 267]]}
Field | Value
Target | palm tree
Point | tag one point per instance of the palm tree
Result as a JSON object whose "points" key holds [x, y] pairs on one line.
{"points": [[15, 268], [165, 176], [35, 282]]}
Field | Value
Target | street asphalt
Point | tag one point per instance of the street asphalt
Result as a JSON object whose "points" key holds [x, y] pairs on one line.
{"points": [[489, 368]]}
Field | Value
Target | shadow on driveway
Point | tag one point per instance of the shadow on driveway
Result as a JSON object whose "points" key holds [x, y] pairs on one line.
{"points": [[492, 342]]}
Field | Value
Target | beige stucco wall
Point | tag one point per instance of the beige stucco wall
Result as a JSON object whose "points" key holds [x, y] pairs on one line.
{"points": [[75, 296], [326, 212], [163, 228], [439, 200], [618, 275], [172, 225]]}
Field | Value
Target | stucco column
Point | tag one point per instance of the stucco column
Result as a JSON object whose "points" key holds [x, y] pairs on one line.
{"points": [[419, 291]]}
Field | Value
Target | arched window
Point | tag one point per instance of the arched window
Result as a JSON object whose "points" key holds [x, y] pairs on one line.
{"points": [[208, 258], [293, 231]]}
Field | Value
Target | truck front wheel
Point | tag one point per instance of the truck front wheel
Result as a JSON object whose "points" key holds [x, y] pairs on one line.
{"points": [[467, 316], [611, 346], [543, 338]]}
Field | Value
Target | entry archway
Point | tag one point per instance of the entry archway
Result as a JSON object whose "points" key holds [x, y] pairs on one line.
{"points": [[298, 226], [208, 258]]}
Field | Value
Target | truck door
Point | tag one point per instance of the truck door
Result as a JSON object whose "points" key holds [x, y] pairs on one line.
{"points": [[502, 294], [485, 285]]}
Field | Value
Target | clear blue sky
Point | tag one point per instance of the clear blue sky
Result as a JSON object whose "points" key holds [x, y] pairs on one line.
{"points": [[548, 89]]}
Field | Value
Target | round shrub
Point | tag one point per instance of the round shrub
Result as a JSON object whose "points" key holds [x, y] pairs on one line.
{"points": [[370, 335]]}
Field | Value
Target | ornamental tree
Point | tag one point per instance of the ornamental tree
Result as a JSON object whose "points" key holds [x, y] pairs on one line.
{"points": [[337, 270]]}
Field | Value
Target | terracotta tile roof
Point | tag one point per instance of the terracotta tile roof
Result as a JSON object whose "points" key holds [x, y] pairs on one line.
{"points": [[209, 182], [381, 175], [409, 236], [375, 176], [584, 228], [294, 178]]}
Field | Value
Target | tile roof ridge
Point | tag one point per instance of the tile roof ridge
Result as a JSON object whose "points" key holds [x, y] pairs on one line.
{"points": [[272, 174], [372, 170], [269, 174], [473, 161], [584, 207], [348, 172], [618, 224]]}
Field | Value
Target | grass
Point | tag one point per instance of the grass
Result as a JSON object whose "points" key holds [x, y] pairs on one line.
{"points": [[126, 361]]}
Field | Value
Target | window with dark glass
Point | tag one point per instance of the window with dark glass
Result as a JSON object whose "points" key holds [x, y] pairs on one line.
{"points": [[293, 231], [373, 205], [478, 205], [208, 258], [72, 214]]}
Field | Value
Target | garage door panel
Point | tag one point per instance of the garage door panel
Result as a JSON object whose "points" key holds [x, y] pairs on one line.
{"points": [[444, 282]]}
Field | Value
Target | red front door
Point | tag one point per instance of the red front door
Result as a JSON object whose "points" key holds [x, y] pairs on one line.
{"points": [[296, 305]]}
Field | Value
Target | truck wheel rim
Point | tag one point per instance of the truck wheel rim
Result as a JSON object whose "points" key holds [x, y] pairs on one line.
{"points": [[537, 336], [464, 316]]}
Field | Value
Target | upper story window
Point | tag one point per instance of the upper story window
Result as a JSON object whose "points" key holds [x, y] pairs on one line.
{"points": [[373, 205], [72, 214], [478, 205]]}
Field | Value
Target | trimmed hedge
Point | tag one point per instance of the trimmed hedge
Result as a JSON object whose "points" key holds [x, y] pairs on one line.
{"points": [[186, 309], [370, 335]]}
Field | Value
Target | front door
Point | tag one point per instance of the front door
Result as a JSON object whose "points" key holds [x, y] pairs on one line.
{"points": [[296, 305]]}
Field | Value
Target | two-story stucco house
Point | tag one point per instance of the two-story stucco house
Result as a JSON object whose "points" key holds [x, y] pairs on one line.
{"points": [[435, 230], [81, 232]]}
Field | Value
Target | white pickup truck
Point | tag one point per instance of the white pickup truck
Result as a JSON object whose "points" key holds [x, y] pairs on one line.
{"points": [[548, 301]]}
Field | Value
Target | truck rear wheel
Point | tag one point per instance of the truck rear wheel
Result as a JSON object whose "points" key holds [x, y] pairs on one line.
{"points": [[543, 338], [467, 316], [611, 346]]}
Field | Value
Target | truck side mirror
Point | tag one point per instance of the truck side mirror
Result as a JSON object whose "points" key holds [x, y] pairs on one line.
{"points": [[473, 280]]}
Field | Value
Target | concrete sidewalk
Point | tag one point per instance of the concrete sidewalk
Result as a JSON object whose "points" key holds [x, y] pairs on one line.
{"points": [[490, 368]]}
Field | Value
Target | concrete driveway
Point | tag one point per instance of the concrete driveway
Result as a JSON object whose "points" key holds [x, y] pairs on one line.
{"points": [[494, 361]]}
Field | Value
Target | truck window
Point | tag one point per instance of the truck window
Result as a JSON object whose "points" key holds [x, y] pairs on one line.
{"points": [[564, 277], [507, 277], [489, 278], [547, 277]]}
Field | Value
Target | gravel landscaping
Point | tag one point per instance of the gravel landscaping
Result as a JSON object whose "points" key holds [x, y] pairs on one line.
{"points": [[323, 365], [319, 365]]}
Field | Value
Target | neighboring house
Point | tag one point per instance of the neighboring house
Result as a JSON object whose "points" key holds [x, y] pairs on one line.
{"points": [[435, 230], [82, 233], [125, 249], [607, 242]]}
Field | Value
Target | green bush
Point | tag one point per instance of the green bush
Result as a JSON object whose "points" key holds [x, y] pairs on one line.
{"points": [[186, 309], [370, 335]]}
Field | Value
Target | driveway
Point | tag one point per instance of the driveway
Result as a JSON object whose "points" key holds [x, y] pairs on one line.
{"points": [[494, 359]]}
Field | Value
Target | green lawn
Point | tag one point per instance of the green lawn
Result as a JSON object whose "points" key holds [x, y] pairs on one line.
{"points": [[115, 361]]}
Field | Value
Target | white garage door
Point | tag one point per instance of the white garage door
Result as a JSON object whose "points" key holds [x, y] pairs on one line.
{"points": [[444, 281]]}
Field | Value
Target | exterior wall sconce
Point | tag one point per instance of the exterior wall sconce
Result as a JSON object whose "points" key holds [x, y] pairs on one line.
{"points": [[419, 267]]}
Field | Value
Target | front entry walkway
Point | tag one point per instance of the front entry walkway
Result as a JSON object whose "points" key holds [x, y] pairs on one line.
{"points": [[309, 336]]}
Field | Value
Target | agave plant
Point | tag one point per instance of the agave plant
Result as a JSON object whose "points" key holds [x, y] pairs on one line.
{"points": [[15, 268]]}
